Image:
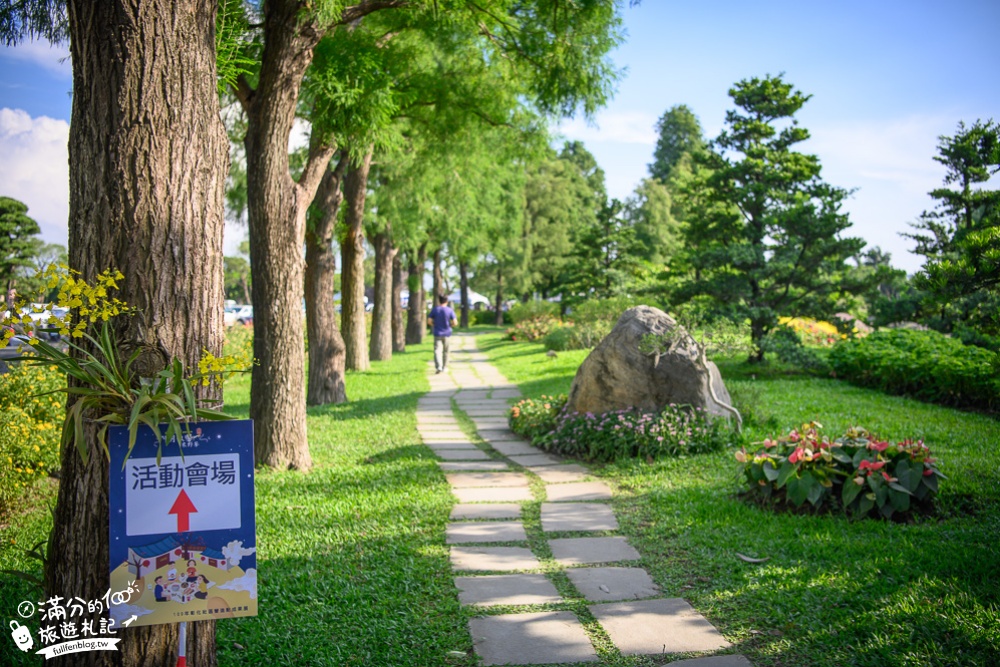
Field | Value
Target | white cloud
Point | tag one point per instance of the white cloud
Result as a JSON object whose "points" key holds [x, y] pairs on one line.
{"points": [[626, 127], [41, 53], [235, 552], [35, 168]]}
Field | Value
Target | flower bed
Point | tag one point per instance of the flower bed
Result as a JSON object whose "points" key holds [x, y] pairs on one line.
{"points": [[675, 430], [857, 473]]}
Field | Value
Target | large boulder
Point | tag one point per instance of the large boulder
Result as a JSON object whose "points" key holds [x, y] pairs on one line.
{"points": [[616, 375]]}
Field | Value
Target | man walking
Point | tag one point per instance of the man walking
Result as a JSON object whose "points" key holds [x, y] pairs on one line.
{"points": [[441, 319]]}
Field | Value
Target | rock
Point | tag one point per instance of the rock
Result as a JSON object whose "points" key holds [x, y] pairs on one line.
{"points": [[617, 376]]}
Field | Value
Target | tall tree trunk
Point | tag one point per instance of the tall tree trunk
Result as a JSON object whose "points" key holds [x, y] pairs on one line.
{"points": [[416, 312], [398, 326], [463, 272], [385, 254], [148, 158], [438, 284], [327, 354], [352, 278], [276, 210], [499, 303], [246, 290]]}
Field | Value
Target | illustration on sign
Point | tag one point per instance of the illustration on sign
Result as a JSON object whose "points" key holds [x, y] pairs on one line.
{"points": [[182, 532]]}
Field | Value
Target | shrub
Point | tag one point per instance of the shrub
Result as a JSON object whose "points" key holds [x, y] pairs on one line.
{"points": [[536, 417], [786, 345], [813, 332], [673, 431], [857, 473], [601, 310], [487, 317], [580, 336], [30, 427], [531, 310], [533, 329], [922, 364]]}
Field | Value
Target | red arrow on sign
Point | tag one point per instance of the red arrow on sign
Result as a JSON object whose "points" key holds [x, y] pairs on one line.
{"points": [[182, 507]]}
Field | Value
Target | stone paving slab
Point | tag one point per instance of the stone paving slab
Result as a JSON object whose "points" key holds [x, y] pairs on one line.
{"points": [[493, 494], [432, 413], [577, 516], [468, 532], [461, 455], [500, 559], [457, 434], [733, 660], [507, 393], [528, 460], [494, 589], [479, 466], [514, 448], [610, 584], [489, 423], [591, 550], [527, 639], [499, 434], [494, 414], [486, 511], [569, 472], [451, 446], [650, 627], [473, 479], [577, 491]]}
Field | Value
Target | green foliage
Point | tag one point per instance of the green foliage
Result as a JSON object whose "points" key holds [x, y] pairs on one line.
{"points": [[608, 310], [858, 473], [960, 239], [923, 364], [531, 310], [533, 329], [535, 418], [768, 242], [486, 318], [33, 19], [658, 231], [237, 279], [16, 243], [786, 344], [232, 55], [679, 134], [673, 431], [605, 258], [583, 336], [29, 429]]}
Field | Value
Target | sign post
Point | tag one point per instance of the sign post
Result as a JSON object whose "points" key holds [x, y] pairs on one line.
{"points": [[184, 529]]}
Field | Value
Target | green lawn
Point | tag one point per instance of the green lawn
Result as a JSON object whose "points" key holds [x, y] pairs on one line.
{"points": [[834, 592], [352, 563], [354, 569]]}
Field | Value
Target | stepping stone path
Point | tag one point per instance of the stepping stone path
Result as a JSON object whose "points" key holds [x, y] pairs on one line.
{"points": [[490, 481]]}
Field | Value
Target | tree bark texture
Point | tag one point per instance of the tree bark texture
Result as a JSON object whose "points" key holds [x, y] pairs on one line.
{"points": [[463, 273], [499, 302], [416, 312], [398, 323], [352, 278], [148, 162], [438, 281], [385, 254], [327, 353], [276, 208]]}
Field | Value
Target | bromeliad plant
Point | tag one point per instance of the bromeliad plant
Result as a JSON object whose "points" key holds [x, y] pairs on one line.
{"points": [[858, 472], [107, 388]]}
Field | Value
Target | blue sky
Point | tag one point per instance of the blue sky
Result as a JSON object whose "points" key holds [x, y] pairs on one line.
{"points": [[887, 78]]}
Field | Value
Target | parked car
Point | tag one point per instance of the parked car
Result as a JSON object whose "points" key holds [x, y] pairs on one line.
{"points": [[243, 315], [12, 350]]}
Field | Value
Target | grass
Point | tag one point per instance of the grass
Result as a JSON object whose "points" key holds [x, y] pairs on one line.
{"points": [[833, 592], [354, 569]]}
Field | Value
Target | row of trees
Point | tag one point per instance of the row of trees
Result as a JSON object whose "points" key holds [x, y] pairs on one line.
{"points": [[149, 157]]}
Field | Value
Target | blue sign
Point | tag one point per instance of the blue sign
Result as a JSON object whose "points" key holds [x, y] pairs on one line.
{"points": [[184, 529]]}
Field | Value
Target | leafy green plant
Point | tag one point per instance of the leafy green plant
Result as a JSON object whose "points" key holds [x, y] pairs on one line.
{"points": [[673, 431], [532, 310], [533, 329], [923, 364], [786, 344], [858, 472], [536, 417], [104, 387], [579, 336]]}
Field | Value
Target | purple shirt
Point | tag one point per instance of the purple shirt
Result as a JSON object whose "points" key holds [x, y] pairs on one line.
{"points": [[442, 317]]}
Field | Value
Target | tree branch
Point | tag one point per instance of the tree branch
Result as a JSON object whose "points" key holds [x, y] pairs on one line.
{"points": [[317, 165], [357, 12], [244, 93]]}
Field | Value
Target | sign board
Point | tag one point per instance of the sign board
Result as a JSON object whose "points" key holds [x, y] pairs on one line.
{"points": [[184, 530]]}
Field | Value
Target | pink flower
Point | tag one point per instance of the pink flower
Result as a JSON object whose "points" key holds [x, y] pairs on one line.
{"points": [[878, 446], [795, 456]]}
